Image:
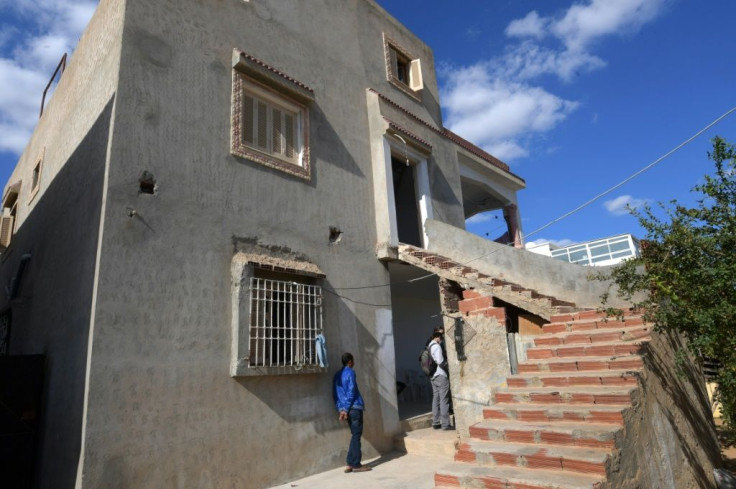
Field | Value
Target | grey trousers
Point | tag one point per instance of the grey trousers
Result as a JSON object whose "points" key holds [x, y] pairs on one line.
{"points": [[440, 401]]}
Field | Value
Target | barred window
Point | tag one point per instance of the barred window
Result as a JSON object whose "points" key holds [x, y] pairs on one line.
{"points": [[285, 319]]}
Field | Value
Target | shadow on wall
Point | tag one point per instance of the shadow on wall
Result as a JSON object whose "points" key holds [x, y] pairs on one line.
{"points": [[306, 404], [61, 236], [674, 414]]}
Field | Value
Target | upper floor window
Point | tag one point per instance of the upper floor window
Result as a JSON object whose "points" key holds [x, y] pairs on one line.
{"points": [[269, 118], [36, 176], [7, 220], [403, 70]]}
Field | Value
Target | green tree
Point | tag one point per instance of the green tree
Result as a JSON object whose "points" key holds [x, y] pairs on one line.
{"points": [[687, 271]]}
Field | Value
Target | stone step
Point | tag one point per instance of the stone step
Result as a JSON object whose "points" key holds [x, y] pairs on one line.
{"points": [[563, 395], [583, 315], [459, 475], [624, 333], [592, 377], [428, 442], [573, 459], [591, 324], [566, 433], [535, 413], [593, 350], [589, 363]]}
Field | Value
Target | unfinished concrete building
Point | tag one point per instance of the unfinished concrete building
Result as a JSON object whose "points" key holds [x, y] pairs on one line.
{"points": [[215, 188]]}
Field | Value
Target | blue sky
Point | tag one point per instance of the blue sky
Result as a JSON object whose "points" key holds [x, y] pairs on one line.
{"points": [[575, 95]]}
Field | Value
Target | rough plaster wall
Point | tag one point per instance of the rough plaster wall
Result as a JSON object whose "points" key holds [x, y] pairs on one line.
{"points": [[487, 365], [163, 410], [59, 229], [670, 439], [565, 281]]}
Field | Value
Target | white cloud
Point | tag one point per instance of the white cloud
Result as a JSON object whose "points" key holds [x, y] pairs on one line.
{"points": [[496, 104], [530, 26], [562, 243], [583, 24], [620, 205], [479, 218], [493, 112], [30, 53]]}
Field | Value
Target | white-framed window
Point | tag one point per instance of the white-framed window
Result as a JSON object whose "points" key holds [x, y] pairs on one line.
{"points": [[269, 127], [403, 70], [7, 218], [285, 319]]}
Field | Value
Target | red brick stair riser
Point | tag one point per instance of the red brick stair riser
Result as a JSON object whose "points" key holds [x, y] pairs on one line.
{"points": [[589, 325], [594, 336], [579, 397], [611, 378], [593, 350], [540, 458], [627, 362], [546, 435], [544, 414]]}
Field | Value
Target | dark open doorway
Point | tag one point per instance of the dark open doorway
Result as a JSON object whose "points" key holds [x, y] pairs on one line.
{"points": [[405, 198]]}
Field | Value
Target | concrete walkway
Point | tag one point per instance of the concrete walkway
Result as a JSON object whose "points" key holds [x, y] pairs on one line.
{"points": [[392, 471]]}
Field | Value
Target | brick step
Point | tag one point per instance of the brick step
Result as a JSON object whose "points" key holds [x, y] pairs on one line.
{"points": [[584, 315], [624, 333], [589, 363], [460, 475], [591, 324], [619, 395], [536, 413], [565, 433], [591, 377], [573, 459], [614, 348]]}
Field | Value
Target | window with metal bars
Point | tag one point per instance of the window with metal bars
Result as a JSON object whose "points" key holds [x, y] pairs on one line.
{"points": [[285, 319]]}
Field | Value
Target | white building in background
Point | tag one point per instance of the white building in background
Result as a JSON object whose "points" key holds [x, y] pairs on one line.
{"points": [[601, 252]]}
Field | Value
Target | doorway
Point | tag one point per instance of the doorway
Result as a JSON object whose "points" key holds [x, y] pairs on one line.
{"points": [[405, 198]]}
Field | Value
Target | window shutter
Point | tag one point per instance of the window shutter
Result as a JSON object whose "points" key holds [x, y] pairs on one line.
{"points": [[289, 134], [262, 121], [415, 78], [276, 139], [6, 228], [247, 118], [394, 62]]}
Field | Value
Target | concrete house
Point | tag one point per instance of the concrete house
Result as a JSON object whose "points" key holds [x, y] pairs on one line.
{"points": [[223, 196], [211, 187]]}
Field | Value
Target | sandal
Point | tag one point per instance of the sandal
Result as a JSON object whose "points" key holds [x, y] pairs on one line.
{"points": [[362, 468]]}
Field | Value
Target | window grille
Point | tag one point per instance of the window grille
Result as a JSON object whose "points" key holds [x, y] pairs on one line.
{"points": [[285, 319]]}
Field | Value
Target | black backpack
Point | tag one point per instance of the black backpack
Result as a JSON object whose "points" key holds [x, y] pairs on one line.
{"points": [[426, 362]]}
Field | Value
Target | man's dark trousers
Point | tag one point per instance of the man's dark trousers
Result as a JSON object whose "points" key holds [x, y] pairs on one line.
{"points": [[355, 418]]}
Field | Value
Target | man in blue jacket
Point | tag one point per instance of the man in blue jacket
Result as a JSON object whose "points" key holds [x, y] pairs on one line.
{"points": [[350, 405]]}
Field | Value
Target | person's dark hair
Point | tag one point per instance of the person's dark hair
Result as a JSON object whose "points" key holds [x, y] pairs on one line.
{"points": [[436, 333], [346, 358]]}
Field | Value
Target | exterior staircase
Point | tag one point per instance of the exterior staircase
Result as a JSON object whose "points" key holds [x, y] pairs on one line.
{"points": [[530, 300], [557, 423]]}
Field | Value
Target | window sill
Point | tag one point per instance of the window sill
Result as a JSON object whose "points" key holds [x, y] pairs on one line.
{"points": [[242, 370]]}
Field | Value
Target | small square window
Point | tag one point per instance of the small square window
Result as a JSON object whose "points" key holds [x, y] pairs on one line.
{"points": [[403, 70], [36, 176]]}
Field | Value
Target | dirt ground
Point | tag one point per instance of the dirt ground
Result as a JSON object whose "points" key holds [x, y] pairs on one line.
{"points": [[728, 445]]}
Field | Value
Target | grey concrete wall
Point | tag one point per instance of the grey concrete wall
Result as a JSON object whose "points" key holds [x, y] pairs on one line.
{"points": [[59, 228], [669, 438], [486, 367], [565, 281], [163, 410]]}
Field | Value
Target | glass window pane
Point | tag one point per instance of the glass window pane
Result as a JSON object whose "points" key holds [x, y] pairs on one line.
{"points": [[599, 250], [621, 254], [622, 245], [578, 255]]}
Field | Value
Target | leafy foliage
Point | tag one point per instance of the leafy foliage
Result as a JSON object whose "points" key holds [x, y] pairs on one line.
{"points": [[687, 271]]}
